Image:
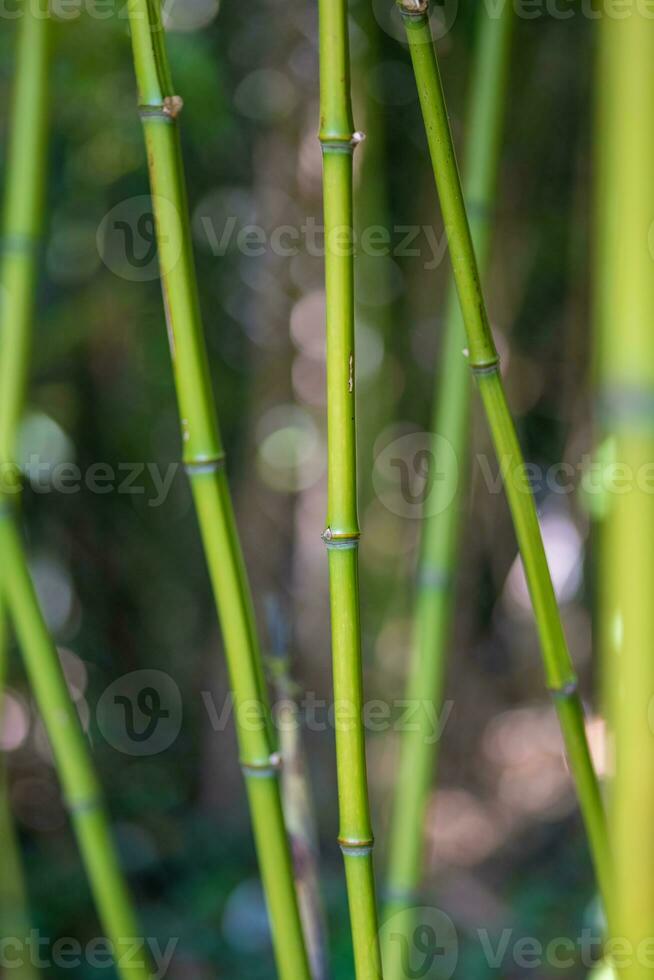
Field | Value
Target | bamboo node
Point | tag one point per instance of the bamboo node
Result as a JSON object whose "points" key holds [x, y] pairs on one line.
{"points": [[356, 848], [84, 805], [167, 111], [413, 8], [263, 770], [342, 144], [567, 690], [340, 539], [210, 464], [489, 367], [20, 242], [434, 578], [406, 896]]}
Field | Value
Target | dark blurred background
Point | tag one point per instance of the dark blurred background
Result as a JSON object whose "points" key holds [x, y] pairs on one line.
{"points": [[121, 572]]}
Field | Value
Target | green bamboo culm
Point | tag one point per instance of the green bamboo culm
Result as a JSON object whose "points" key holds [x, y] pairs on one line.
{"points": [[626, 402], [25, 181], [484, 362], [21, 230], [338, 139], [441, 530], [14, 905], [204, 460]]}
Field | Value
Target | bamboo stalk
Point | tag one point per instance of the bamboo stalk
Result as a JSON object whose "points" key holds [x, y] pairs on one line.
{"points": [[297, 797], [441, 532], [484, 363], [25, 183], [14, 906], [71, 753], [204, 460], [626, 397], [341, 536]]}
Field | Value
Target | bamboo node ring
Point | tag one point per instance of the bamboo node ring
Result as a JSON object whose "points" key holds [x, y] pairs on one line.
{"points": [[263, 770], [356, 848], [209, 465], [481, 369], [340, 539], [567, 690], [84, 806], [167, 111], [413, 8]]}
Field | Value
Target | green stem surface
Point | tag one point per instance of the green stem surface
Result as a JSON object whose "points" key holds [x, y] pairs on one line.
{"points": [[204, 459], [14, 905], [625, 375], [26, 169], [441, 526], [71, 753], [338, 140], [484, 362]]}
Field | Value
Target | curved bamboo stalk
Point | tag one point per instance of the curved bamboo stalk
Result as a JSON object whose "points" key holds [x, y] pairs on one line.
{"points": [[204, 460], [341, 537], [626, 396], [484, 362], [441, 531], [22, 228]]}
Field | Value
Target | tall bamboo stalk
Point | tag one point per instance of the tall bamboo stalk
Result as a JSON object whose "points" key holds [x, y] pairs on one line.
{"points": [[26, 170], [484, 362], [204, 460], [441, 531], [626, 401], [341, 536]]}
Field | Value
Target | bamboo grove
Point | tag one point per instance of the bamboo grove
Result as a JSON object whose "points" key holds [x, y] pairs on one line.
{"points": [[384, 901]]}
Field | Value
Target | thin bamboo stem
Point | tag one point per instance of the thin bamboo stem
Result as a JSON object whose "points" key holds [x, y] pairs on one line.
{"points": [[484, 362], [626, 396], [26, 170], [14, 905], [341, 537], [71, 753], [441, 531], [204, 459], [297, 796]]}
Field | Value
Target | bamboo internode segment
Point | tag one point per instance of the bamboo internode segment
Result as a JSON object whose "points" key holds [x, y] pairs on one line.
{"points": [[625, 382], [204, 460], [482, 354]]}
